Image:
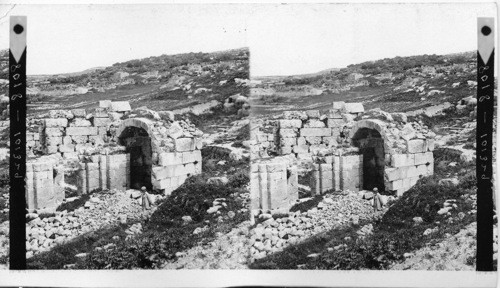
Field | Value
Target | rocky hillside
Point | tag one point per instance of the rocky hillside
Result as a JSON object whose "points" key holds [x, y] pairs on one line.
{"points": [[166, 82], [400, 84]]}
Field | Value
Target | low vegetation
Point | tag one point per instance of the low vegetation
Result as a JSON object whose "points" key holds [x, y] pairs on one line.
{"points": [[396, 233]]}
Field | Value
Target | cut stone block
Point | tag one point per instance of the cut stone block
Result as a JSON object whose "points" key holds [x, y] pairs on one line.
{"points": [[335, 123], [312, 113], [288, 132], [301, 149], [339, 105], [53, 141], [314, 123], [54, 132], [81, 131], [191, 157], [57, 122], [293, 123], [119, 106], [170, 158], [416, 146], [80, 122], [98, 122], [334, 114], [67, 148], [79, 112], [184, 144], [392, 174], [353, 108], [313, 140], [315, 132], [288, 141]]}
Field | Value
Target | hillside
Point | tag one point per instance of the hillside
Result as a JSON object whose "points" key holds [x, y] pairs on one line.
{"points": [[165, 82], [399, 84]]}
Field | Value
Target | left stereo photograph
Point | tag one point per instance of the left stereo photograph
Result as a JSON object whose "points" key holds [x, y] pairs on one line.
{"points": [[136, 138]]}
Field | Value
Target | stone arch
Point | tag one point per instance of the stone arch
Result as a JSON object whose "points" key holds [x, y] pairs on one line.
{"points": [[136, 134], [370, 137]]}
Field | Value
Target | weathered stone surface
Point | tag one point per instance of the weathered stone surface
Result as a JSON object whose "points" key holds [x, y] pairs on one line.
{"points": [[353, 108], [288, 132], [80, 122], [54, 132], [79, 112], [416, 146], [79, 131], [60, 114], [184, 144], [293, 123], [98, 122], [315, 132], [314, 123], [170, 158], [119, 106], [56, 122], [312, 113]]}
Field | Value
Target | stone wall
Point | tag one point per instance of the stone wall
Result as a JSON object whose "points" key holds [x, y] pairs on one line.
{"points": [[94, 144], [397, 153], [73, 132], [306, 133], [104, 172], [44, 184], [337, 173], [273, 186], [173, 168]]}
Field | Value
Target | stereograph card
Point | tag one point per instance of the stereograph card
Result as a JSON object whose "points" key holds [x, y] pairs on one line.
{"points": [[218, 144]]}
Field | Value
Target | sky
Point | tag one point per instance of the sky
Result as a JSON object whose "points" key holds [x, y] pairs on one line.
{"points": [[284, 39]]}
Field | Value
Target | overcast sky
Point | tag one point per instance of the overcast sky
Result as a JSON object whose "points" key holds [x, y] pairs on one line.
{"points": [[283, 39]]}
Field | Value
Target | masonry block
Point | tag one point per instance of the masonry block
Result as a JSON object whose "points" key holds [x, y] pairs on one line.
{"points": [[416, 146], [191, 156], [54, 132], [288, 141], [53, 141], [422, 169], [293, 123], [79, 112], [170, 158], [300, 149], [312, 113], [56, 122], [392, 174], [314, 123], [315, 132], [184, 144], [288, 132], [395, 185], [98, 122], [81, 131], [313, 140], [335, 122]]}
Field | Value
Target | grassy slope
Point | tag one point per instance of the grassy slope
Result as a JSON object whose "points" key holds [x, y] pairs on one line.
{"points": [[396, 233]]}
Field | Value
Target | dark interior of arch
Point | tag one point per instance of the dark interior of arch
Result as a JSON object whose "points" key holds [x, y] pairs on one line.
{"points": [[371, 145], [138, 144]]}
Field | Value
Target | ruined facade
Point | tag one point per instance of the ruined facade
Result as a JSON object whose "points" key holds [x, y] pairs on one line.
{"points": [[111, 147], [348, 148]]}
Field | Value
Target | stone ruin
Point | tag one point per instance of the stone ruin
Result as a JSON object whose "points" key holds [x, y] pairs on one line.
{"points": [[110, 147], [346, 149]]}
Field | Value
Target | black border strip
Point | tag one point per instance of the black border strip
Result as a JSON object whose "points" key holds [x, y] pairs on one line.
{"points": [[484, 163], [17, 167]]}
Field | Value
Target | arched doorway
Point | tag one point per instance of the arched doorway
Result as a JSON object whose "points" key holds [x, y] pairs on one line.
{"points": [[371, 145], [138, 144]]}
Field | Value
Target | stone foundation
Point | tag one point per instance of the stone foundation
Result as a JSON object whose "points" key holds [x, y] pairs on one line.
{"points": [[273, 186]]}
